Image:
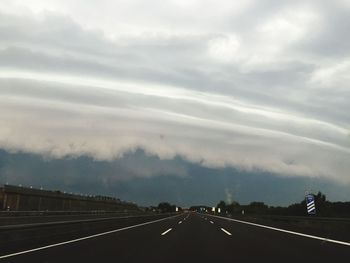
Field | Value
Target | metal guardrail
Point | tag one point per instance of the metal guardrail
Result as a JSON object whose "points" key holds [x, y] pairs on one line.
{"points": [[286, 218], [56, 213], [312, 218], [292, 218], [75, 221]]}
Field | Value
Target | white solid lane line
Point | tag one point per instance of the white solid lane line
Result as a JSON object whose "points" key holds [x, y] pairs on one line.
{"points": [[287, 231], [84, 238], [165, 232], [211, 222], [224, 230]]}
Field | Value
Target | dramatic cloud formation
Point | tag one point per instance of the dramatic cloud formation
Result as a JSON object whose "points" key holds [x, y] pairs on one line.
{"points": [[256, 85], [160, 180]]}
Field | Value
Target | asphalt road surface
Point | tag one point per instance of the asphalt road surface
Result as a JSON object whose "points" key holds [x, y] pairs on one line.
{"points": [[188, 237]]}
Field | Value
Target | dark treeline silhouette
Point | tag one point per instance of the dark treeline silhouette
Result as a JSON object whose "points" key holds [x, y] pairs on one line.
{"points": [[324, 208], [165, 207]]}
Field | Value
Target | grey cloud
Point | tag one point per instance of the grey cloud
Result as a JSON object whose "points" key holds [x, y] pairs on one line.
{"points": [[256, 89], [106, 129]]}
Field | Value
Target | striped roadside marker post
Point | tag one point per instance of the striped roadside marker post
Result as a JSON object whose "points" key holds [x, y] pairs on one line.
{"points": [[310, 204]]}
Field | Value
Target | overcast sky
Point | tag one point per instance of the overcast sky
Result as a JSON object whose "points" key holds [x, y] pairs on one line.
{"points": [[248, 85]]}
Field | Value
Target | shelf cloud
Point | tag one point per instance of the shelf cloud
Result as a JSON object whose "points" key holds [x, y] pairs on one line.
{"points": [[218, 83]]}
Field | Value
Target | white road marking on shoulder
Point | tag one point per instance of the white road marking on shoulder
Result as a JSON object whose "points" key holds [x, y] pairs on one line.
{"points": [[180, 222], [287, 231], [165, 232], [224, 230], [83, 238], [211, 222]]}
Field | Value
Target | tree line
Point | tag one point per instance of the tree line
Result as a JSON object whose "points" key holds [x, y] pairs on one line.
{"points": [[164, 207], [324, 208]]}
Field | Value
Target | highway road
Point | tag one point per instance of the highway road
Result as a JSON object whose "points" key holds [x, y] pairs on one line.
{"points": [[187, 237]]}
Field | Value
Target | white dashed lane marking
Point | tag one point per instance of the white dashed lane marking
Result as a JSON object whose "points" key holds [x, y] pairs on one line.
{"points": [[165, 232], [226, 232]]}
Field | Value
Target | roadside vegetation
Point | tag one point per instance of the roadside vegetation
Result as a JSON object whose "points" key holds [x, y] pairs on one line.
{"points": [[324, 208]]}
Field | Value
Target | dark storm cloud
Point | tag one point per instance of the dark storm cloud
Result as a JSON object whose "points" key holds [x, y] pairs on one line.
{"points": [[196, 185]]}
